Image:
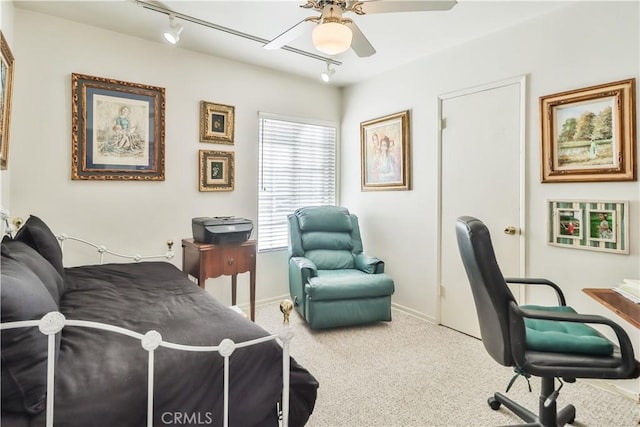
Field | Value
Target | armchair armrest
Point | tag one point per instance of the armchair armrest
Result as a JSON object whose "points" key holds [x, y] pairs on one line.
{"points": [[537, 281], [306, 267], [628, 363], [300, 271], [369, 264]]}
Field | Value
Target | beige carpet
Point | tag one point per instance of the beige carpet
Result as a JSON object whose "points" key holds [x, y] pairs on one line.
{"points": [[410, 372]]}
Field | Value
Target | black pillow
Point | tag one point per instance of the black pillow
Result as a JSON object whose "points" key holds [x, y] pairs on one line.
{"points": [[24, 350], [35, 262], [35, 233]]}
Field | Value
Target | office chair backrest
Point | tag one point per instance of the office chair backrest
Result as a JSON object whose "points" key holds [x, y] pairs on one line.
{"points": [[490, 291]]}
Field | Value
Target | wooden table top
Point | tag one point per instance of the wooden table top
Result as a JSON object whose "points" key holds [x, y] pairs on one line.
{"points": [[623, 307]]}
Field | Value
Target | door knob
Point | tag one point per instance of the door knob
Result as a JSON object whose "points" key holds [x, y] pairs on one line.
{"points": [[510, 230]]}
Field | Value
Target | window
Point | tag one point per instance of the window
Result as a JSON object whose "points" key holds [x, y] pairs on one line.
{"points": [[297, 167]]}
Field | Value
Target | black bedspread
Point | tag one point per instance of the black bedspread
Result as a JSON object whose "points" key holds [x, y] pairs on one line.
{"points": [[102, 376]]}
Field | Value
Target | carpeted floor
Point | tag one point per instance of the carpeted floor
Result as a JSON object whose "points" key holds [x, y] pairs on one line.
{"points": [[410, 372]]}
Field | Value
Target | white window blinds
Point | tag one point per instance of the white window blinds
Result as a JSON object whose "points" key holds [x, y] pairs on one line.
{"points": [[297, 167]]}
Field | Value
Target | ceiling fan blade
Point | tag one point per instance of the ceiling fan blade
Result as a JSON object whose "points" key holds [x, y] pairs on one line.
{"points": [[290, 35], [391, 6], [360, 45]]}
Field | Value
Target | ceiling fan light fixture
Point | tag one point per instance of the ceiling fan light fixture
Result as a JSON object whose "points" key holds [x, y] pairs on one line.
{"points": [[331, 38], [172, 34]]}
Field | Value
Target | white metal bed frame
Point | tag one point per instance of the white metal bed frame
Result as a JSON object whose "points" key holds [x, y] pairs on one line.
{"points": [[53, 322]]}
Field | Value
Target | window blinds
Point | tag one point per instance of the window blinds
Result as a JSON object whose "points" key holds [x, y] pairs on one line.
{"points": [[297, 167]]}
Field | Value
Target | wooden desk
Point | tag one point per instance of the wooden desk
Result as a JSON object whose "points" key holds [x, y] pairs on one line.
{"points": [[205, 260], [615, 302]]}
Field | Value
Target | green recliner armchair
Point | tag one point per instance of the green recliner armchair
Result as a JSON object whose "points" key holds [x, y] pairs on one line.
{"points": [[331, 281]]}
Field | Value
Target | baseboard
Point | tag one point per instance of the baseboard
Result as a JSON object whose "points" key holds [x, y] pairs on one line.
{"points": [[613, 388], [413, 313]]}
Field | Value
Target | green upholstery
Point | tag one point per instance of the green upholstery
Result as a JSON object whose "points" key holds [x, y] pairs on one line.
{"points": [[564, 337], [331, 281]]}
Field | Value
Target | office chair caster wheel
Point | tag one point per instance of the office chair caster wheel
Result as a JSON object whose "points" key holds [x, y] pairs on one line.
{"points": [[493, 403]]}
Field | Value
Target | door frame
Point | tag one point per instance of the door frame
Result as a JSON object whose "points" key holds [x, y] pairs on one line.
{"points": [[520, 80]]}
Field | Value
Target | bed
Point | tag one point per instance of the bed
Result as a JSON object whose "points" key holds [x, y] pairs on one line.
{"points": [[172, 355]]}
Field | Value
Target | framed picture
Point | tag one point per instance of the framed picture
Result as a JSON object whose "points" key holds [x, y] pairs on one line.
{"points": [[599, 225], [216, 170], [216, 123], [385, 146], [6, 89], [589, 134], [117, 130]]}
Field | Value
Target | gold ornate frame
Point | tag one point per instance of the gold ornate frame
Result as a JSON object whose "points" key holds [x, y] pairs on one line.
{"points": [[589, 134], [216, 123], [217, 170], [117, 130], [5, 103], [385, 153]]}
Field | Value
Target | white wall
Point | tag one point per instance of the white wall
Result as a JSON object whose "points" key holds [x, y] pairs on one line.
{"points": [[585, 44], [146, 214]]}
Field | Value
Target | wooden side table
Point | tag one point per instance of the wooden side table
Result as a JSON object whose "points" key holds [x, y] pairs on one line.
{"points": [[206, 260]]}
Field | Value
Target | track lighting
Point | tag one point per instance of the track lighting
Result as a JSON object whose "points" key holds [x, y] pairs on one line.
{"points": [[172, 34], [325, 76]]}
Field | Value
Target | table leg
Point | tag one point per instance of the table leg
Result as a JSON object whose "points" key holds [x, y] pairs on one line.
{"points": [[234, 288], [252, 294]]}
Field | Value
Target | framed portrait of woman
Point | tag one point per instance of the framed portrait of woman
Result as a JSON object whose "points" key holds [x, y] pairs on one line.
{"points": [[385, 156]]}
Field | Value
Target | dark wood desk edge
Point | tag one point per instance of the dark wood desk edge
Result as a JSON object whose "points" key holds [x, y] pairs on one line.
{"points": [[592, 292]]}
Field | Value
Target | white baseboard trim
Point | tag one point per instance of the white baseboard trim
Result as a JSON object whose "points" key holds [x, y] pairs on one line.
{"points": [[413, 313], [398, 307], [613, 388]]}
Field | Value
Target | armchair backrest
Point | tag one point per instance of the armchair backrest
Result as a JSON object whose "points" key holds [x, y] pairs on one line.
{"points": [[490, 291], [327, 235]]}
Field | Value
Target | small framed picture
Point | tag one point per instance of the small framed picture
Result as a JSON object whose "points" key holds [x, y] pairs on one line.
{"points": [[216, 170], [216, 123], [569, 223], [597, 225], [602, 224]]}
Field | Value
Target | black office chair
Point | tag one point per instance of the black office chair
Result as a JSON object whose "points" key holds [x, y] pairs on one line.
{"points": [[531, 339]]}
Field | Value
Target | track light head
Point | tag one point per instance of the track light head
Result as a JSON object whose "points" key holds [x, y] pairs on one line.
{"points": [[325, 76], [172, 34]]}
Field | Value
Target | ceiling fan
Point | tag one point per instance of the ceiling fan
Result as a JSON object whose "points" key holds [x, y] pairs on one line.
{"points": [[332, 34]]}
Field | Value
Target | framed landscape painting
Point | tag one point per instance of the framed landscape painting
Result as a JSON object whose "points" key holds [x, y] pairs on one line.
{"points": [[589, 134], [117, 130], [385, 155]]}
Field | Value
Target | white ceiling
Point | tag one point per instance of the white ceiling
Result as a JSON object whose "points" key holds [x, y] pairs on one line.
{"points": [[399, 38]]}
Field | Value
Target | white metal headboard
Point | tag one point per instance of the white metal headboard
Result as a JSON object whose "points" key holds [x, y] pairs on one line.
{"points": [[103, 249]]}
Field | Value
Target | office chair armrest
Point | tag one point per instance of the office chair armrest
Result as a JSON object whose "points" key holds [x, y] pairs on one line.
{"points": [[626, 349], [369, 264], [538, 281]]}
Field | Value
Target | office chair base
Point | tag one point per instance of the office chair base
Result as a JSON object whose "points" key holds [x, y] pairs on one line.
{"points": [[548, 416]]}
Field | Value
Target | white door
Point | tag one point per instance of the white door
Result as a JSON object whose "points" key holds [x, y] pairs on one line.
{"points": [[482, 139]]}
